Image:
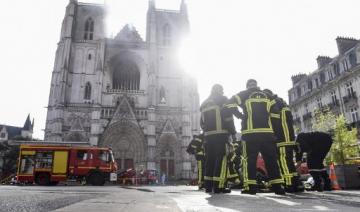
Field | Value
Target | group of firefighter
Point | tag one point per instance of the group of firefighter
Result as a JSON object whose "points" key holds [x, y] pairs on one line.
{"points": [[266, 128]]}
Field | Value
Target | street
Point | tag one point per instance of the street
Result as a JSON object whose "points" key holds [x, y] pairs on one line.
{"points": [[166, 198]]}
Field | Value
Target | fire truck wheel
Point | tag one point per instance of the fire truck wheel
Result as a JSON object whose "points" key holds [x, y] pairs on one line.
{"points": [[42, 179], [96, 179]]}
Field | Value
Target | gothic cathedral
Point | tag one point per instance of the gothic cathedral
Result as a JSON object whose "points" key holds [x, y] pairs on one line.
{"points": [[124, 92]]}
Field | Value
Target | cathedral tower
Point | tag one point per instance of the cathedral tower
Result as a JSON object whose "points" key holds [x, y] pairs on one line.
{"points": [[125, 92]]}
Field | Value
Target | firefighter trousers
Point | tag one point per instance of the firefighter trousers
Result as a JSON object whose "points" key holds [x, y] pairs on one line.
{"points": [[232, 173], [265, 144], [286, 162], [201, 170], [215, 161]]}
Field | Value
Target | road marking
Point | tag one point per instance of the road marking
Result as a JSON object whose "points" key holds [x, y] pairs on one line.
{"points": [[283, 201], [321, 208], [198, 203]]}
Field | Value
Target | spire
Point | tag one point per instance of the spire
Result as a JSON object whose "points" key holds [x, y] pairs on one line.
{"points": [[183, 8], [151, 4], [33, 124], [27, 125]]}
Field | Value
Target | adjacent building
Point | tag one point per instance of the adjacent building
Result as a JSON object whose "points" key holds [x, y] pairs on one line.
{"points": [[334, 85], [8, 132], [125, 92]]}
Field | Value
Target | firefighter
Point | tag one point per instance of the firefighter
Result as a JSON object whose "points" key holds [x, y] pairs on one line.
{"points": [[216, 135], [285, 140], [232, 174], [234, 162], [196, 147], [258, 136], [316, 145]]}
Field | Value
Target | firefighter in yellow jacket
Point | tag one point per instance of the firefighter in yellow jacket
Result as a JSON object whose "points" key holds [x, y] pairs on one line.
{"points": [[258, 136], [285, 141], [215, 125], [196, 148]]}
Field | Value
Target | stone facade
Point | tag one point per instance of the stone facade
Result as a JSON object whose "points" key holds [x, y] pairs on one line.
{"points": [[334, 85], [8, 132], [123, 92]]}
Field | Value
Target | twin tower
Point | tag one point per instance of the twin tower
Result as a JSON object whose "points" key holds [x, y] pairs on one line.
{"points": [[125, 92]]}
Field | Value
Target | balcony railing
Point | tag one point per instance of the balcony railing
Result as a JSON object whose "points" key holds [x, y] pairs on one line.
{"points": [[122, 91], [350, 97], [333, 105]]}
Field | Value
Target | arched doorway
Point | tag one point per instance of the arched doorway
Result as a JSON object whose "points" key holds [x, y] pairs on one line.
{"points": [[167, 162], [127, 143], [168, 153]]}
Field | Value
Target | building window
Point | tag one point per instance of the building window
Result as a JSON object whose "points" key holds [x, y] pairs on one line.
{"points": [[352, 59], [304, 89], [330, 74], [166, 35], [2, 135], [89, 29], [126, 76], [333, 97], [162, 95], [298, 90], [354, 114], [89, 57], [319, 103], [87, 91], [317, 82], [322, 77], [349, 89], [310, 86], [345, 65], [306, 108], [335, 68]]}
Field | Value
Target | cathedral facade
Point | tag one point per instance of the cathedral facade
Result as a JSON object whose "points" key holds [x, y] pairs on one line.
{"points": [[124, 92]]}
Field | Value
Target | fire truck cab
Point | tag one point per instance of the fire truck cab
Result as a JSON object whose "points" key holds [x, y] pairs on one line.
{"points": [[51, 164]]}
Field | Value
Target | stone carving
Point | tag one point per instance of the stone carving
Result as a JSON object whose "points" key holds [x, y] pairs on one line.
{"points": [[124, 111]]}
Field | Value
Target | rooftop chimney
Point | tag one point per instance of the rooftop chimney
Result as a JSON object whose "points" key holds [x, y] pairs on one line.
{"points": [[322, 60], [296, 78], [344, 44]]}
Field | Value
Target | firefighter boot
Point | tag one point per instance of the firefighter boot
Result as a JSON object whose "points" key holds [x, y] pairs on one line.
{"points": [[297, 185], [317, 181], [327, 181], [252, 190], [278, 189]]}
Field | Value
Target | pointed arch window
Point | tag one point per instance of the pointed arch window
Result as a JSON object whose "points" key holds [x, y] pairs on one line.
{"points": [[87, 94], [89, 29], [166, 35], [126, 76], [162, 95]]}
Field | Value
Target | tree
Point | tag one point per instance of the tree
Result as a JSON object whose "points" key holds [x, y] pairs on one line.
{"points": [[324, 121], [344, 140], [10, 155]]}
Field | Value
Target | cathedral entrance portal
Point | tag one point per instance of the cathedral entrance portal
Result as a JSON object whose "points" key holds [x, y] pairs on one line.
{"points": [[127, 143], [167, 155]]}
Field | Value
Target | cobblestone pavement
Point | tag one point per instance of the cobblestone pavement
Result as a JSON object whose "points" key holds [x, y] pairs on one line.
{"points": [[166, 198]]}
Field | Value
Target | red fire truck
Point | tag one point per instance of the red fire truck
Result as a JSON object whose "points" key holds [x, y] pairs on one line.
{"points": [[50, 164]]}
